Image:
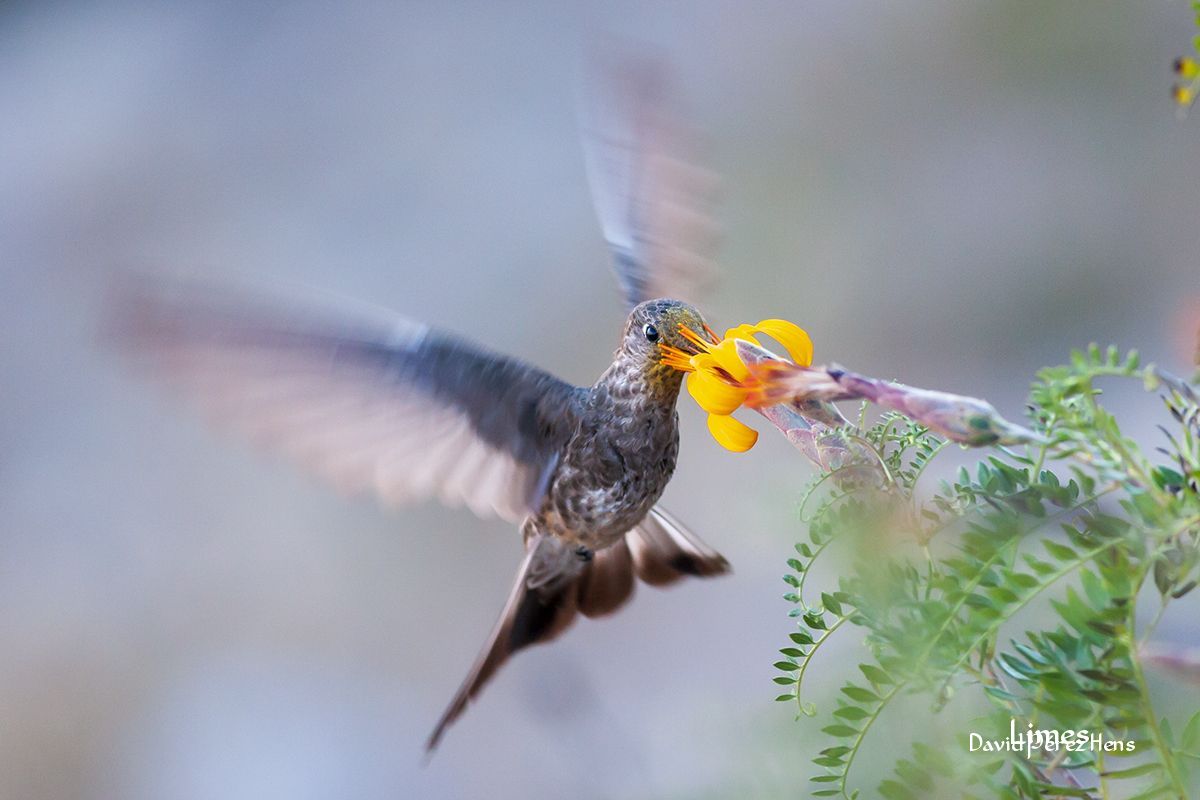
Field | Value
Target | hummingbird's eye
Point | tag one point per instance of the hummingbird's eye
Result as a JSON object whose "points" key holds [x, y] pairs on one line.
{"points": [[651, 332]]}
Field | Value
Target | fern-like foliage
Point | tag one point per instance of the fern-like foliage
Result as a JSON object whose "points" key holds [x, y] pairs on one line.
{"points": [[1084, 527]]}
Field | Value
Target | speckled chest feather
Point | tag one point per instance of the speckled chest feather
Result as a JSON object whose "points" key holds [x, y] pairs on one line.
{"points": [[617, 464]]}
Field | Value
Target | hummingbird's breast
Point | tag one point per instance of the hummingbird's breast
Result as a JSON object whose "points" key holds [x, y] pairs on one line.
{"points": [[616, 466]]}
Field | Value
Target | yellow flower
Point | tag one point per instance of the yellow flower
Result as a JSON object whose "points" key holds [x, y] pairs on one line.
{"points": [[1186, 67], [1183, 95], [720, 382]]}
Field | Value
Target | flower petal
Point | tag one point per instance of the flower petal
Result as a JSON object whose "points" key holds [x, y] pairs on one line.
{"points": [[725, 356], [794, 338], [731, 434], [743, 331], [713, 394]]}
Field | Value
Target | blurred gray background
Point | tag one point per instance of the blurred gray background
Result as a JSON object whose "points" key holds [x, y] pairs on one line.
{"points": [[949, 193]]}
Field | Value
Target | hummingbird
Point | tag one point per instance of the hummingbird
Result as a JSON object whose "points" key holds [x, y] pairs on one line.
{"points": [[377, 402]]}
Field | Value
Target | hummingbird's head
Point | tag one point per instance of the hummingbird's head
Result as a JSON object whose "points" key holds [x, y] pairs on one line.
{"points": [[659, 327]]}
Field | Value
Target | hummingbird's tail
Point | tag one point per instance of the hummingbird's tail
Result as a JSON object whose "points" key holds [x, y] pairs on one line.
{"points": [[554, 583]]}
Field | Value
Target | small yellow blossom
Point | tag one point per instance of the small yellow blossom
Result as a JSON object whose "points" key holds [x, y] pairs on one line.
{"points": [[1183, 95], [720, 382], [1186, 67]]}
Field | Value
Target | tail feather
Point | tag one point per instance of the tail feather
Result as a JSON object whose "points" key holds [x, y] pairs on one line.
{"points": [[664, 551], [553, 584], [606, 584]]}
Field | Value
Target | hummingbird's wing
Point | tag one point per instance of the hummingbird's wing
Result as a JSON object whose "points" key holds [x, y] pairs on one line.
{"points": [[370, 401], [652, 200], [553, 585]]}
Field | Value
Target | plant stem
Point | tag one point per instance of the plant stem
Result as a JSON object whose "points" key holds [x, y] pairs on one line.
{"points": [[808, 659], [1042, 450], [1139, 679], [921, 471]]}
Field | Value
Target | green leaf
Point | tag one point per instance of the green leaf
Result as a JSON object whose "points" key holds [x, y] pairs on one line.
{"points": [[840, 731], [1012, 667], [851, 713], [1023, 580], [1093, 588], [1059, 551], [831, 603], [859, 694], [1134, 772], [1042, 568], [894, 790], [1189, 740], [1003, 595], [875, 675], [1000, 694]]}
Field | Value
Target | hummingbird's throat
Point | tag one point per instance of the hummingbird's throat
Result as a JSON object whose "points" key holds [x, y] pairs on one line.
{"points": [[663, 382]]}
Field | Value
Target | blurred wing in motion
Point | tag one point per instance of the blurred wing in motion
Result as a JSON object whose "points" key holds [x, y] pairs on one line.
{"points": [[371, 402], [652, 200], [553, 585]]}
